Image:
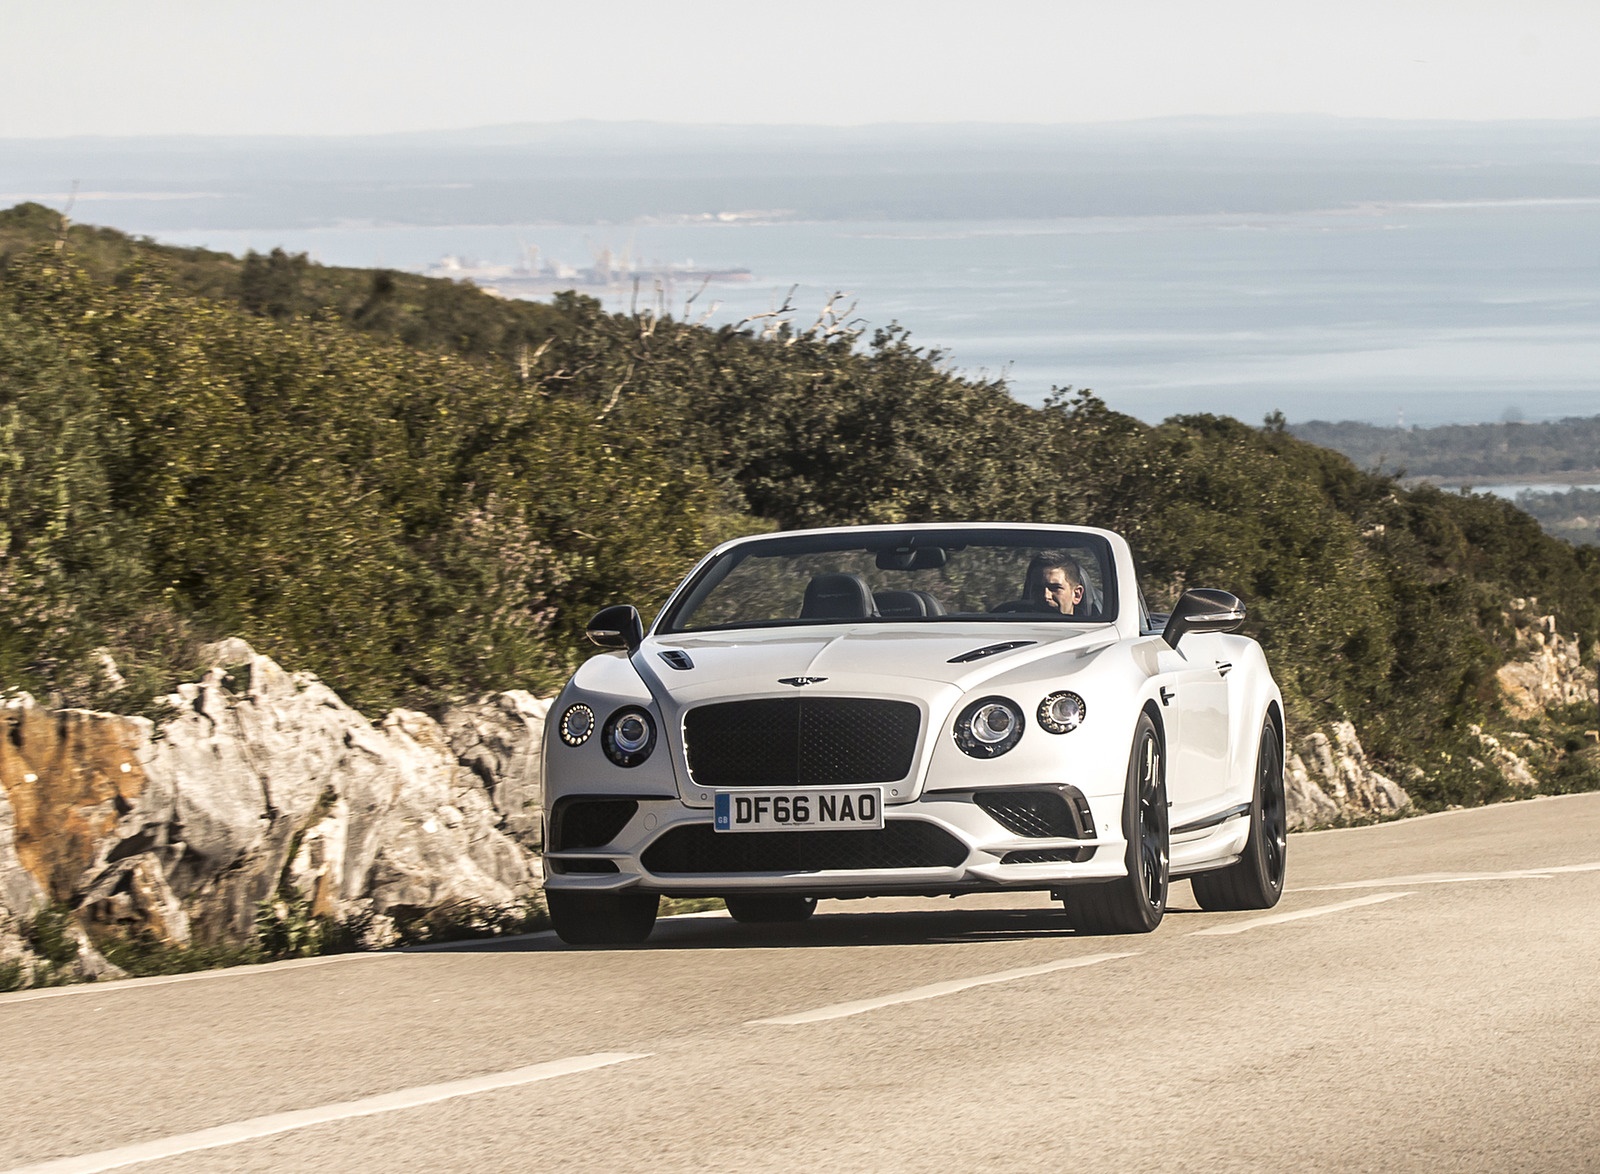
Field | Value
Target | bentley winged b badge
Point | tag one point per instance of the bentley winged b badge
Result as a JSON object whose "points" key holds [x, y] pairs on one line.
{"points": [[800, 682]]}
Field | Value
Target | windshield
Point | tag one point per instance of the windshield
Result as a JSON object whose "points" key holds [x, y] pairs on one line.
{"points": [[902, 577]]}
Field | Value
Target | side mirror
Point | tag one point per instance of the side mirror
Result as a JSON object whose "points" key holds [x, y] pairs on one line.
{"points": [[1203, 609], [616, 627]]}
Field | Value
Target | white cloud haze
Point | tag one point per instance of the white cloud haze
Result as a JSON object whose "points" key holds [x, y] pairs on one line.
{"points": [[117, 67]]}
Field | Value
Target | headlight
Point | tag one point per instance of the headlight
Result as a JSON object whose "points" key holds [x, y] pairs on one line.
{"points": [[577, 724], [630, 735], [989, 727], [1061, 713]]}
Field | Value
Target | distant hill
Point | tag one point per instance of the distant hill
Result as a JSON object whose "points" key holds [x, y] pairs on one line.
{"points": [[1508, 450], [590, 173]]}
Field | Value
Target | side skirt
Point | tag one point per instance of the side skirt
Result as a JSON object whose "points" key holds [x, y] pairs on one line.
{"points": [[1213, 842], [1211, 821], [1206, 866]]}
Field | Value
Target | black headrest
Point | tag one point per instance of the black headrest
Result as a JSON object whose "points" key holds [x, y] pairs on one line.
{"points": [[835, 596], [900, 605]]}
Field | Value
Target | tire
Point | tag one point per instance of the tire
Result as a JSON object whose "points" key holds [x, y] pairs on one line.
{"points": [[602, 919], [1133, 903], [1255, 880], [754, 909]]}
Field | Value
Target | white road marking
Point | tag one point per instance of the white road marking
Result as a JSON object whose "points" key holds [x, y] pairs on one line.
{"points": [[132, 984], [1453, 878], [259, 1127], [1280, 918], [932, 991]]}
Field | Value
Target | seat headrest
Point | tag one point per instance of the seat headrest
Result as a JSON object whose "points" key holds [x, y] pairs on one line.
{"points": [[836, 596], [900, 605]]}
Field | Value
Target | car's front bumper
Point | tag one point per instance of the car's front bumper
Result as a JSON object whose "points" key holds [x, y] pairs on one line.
{"points": [[944, 842]]}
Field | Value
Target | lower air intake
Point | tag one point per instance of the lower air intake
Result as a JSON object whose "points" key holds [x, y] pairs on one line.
{"points": [[1041, 813], [578, 822], [1059, 856], [696, 848]]}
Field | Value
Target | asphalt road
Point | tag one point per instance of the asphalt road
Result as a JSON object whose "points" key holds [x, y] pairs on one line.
{"points": [[1423, 998]]}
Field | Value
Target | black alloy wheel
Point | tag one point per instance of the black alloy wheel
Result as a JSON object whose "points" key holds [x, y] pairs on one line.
{"points": [[759, 908], [1134, 903], [1255, 880], [602, 919]]}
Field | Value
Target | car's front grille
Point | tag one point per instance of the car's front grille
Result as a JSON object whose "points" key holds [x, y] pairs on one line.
{"points": [[1044, 814], [789, 741], [696, 848]]}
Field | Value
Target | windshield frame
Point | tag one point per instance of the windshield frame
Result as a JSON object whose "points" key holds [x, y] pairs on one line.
{"points": [[693, 591]]}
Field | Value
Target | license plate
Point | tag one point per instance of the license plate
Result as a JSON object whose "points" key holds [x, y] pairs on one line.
{"points": [[797, 811]]}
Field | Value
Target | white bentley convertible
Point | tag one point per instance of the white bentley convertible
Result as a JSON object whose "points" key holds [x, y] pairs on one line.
{"points": [[919, 709]]}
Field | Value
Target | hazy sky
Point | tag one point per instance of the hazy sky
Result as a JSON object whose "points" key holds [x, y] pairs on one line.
{"points": [[347, 66]]}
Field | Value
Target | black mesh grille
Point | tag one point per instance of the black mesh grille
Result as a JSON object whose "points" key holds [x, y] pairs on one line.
{"points": [[786, 741], [696, 848], [1056, 856], [1029, 813], [561, 867], [588, 823]]}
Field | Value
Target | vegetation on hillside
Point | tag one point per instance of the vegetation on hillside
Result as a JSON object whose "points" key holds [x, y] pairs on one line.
{"points": [[422, 493]]}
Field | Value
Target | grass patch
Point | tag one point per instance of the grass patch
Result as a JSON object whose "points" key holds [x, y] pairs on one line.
{"points": [[47, 935], [143, 955]]}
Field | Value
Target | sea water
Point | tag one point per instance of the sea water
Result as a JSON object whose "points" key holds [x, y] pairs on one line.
{"points": [[1419, 313]]}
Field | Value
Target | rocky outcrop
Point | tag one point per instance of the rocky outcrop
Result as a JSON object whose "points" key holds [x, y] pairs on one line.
{"points": [[1550, 671], [266, 795], [502, 739], [20, 894], [1513, 767], [1328, 781]]}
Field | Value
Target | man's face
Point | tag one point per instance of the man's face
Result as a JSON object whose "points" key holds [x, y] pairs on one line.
{"points": [[1060, 592]]}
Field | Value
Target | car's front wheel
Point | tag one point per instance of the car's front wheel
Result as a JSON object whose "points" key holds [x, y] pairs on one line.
{"points": [[766, 908], [1255, 880], [1136, 902], [602, 919]]}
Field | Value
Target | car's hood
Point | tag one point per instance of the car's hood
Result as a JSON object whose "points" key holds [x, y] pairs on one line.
{"points": [[880, 658]]}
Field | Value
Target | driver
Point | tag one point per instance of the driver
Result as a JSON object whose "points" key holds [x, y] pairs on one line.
{"points": [[1056, 581]]}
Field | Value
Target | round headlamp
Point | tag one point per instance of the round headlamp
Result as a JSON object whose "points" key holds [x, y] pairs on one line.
{"points": [[629, 737], [1061, 713], [576, 725], [989, 727]]}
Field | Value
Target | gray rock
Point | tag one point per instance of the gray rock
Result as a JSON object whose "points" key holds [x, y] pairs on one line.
{"points": [[20, 895], [1328, 780], [91, 965], [265, 790], [502, 739], [1550, 671], [1514, 768]]}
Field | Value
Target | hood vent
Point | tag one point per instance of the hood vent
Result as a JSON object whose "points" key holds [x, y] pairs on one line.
{"points": [[677, 658], [989, 650]]}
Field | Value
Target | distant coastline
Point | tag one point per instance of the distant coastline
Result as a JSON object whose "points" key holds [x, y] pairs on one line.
{"points": [[1545, 452], [1566, 479]]}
